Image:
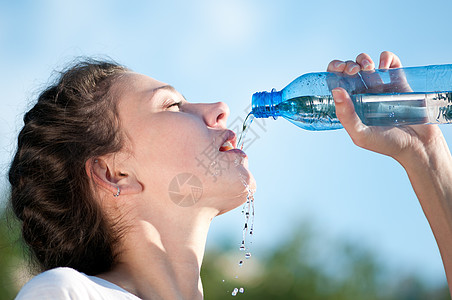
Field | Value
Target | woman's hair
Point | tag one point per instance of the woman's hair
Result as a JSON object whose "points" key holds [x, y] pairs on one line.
{"points": [[74, 120]]}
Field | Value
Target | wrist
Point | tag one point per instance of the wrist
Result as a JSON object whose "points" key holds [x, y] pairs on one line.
{"points": [[428, 149]]}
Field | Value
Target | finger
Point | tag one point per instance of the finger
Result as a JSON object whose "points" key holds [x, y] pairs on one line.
{"points": [[365, 62], [345, 111], [389, 60], [351, 68], [336, 66], [371, 79]]}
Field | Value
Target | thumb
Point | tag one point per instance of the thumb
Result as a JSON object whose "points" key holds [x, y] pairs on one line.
{"points": [[345, 111]]}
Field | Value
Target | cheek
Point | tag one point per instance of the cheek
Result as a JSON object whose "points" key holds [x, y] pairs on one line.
{"points": [[174, 144], [178, 152]]}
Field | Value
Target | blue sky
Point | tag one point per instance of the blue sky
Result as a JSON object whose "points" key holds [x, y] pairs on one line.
{"points": [[227, 50]]}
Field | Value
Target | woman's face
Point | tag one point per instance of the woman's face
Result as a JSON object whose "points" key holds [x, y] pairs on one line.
{"points": [[177, 149]]}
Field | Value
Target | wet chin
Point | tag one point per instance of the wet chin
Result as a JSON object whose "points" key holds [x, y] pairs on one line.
{"points": [[251, 182], [241, 193]]}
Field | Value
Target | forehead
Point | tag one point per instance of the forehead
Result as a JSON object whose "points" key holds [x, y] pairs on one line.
{"points": [[133, 87], [131, 82], [136, 95], [133, 90]]}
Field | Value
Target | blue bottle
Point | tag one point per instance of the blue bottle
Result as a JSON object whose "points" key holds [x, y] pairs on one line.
{"points": [[384, 97]]}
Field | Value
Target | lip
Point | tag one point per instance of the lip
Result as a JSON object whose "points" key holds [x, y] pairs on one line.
{"points": [[237, 151], [229, 136]]}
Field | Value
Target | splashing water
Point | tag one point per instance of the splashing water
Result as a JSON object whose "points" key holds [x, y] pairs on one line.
{"points": [[248, 227], [245, 127], [234, 292], [248, 212], [248, 207]]}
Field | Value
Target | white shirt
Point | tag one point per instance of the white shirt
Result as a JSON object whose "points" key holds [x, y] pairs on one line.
{"points": [[67, 283]]}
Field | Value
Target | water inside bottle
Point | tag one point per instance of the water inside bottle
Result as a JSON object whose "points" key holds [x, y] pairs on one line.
{"points": [[391, 109], [310, 112], [404, 108]]}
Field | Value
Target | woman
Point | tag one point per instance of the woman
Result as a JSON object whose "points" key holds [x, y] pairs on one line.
{"points": [[91, 178], [100, 150]]}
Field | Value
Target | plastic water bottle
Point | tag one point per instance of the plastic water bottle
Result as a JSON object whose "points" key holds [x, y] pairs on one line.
{"points": [[384, 97]]}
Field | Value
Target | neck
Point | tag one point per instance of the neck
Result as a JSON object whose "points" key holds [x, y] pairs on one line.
{"points": [[162, 260]]}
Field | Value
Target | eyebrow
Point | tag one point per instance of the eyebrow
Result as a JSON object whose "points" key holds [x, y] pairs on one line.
{"points": [[164, 87], [167, 88]]}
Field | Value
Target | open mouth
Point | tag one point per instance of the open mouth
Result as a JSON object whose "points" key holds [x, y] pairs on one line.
{"points": [[226, 146], [230, 144], [229, 141]]}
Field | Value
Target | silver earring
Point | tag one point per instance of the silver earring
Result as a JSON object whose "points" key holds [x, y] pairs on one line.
{"points": [[117, 193]]}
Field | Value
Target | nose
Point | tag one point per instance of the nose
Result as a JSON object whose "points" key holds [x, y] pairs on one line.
{"points": [[213, 114]]}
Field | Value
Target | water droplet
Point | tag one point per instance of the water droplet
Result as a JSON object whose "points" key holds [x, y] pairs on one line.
{"points": [[240, 263], [235, 291], [241, 290], [247, 255]]}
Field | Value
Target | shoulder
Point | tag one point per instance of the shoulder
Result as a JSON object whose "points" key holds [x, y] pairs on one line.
{"points": [[59, 283], [67, 283], [57, 276]]}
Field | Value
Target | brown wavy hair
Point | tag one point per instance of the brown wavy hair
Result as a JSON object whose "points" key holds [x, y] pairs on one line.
{"points": [[73, 120]]}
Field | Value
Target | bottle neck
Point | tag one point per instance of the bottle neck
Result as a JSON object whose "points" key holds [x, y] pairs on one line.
{"points": [[264, 104]]}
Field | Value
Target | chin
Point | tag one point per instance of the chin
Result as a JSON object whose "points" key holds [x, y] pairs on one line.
{"points": [[240, 193], [246, 177], [252, 182]]}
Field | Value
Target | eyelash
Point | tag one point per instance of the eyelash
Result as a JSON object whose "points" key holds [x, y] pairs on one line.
{"points": [[175, 104]]}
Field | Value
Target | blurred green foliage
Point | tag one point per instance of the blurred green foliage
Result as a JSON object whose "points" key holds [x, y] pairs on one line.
{"points": [[300, 268], [13, 270]]}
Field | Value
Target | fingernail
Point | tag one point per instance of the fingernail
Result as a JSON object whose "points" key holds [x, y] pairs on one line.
{"points": [[339, 64], [336, 96], [366, 64], [353, 69]]}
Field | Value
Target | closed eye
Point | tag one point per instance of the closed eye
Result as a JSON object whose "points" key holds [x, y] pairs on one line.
{"points": [[175, 105]]}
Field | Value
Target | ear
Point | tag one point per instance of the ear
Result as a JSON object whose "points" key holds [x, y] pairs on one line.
{"points": [[110, 179]]}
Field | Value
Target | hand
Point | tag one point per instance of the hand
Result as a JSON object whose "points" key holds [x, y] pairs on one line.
{"points": [[403, 143], [361, 78]]}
